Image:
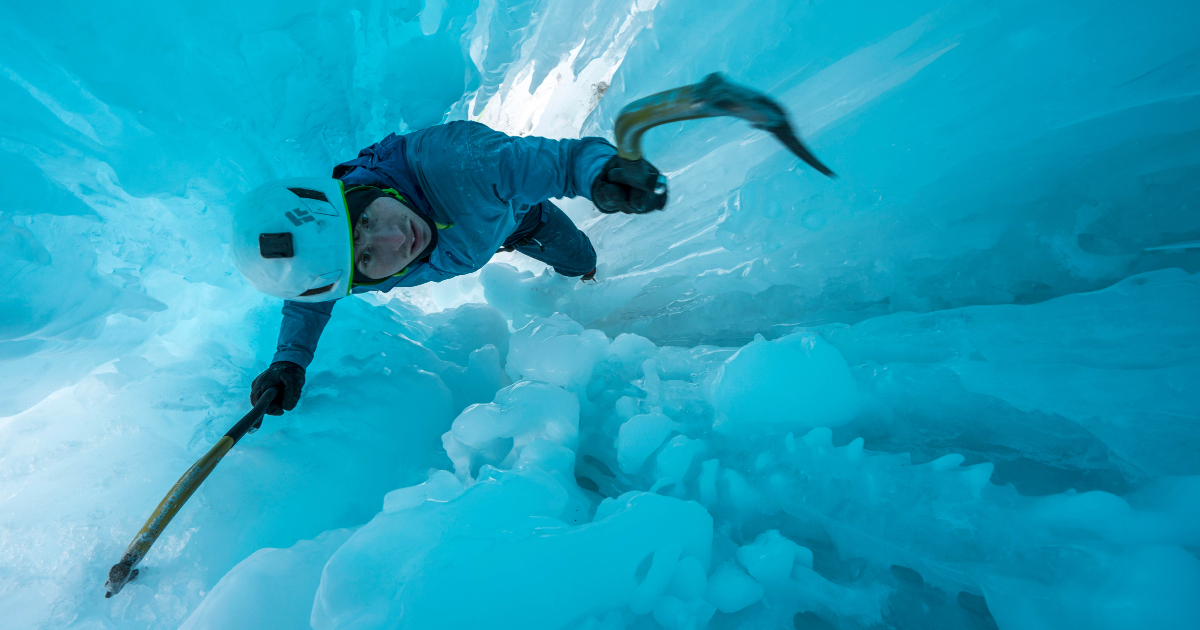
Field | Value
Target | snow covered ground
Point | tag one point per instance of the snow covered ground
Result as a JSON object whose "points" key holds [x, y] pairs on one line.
{"points": [[949, 389]]}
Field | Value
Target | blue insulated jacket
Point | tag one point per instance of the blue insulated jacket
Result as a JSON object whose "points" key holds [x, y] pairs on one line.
{"points": [[477, 182]]}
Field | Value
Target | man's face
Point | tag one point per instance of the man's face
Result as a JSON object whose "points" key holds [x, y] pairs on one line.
{"points": [[387, 238]]}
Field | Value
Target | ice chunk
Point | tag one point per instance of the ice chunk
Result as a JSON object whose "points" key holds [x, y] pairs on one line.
{"points": [[460, 331], [863, 602], [796, 382], [690, 580], [639, 437], [675, 459], [708, 482], [675, 614], [522, 567], [496, 433], [442, 486], [730, 589], [479, 381], [627, 407], [657, 579], [273, 588], [769, 559], [631, 350], [556, 350], [521, 295]]}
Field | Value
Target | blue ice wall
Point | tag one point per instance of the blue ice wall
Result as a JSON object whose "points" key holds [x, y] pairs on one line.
{"points": [[953, 387]]}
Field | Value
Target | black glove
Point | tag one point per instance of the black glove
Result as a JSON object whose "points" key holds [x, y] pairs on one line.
{"points": [[629, 186], [285, 375]]}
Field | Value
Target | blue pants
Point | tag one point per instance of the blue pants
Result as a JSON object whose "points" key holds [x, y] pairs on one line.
{"points": [[547, 234]]}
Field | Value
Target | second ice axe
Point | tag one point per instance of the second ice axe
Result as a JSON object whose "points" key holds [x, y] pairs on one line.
{"points": [[710, 98]]}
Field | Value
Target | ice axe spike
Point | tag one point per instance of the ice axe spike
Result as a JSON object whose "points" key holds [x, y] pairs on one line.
{"points": [[714, 96], [124, 572]]}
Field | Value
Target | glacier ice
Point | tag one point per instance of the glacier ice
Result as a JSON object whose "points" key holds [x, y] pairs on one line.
{"points": [[954, 387], [795, 382], [639, 437]]}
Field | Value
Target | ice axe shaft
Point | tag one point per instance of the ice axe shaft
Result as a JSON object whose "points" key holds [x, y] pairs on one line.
{"points": [[122, 572], [712, 97]]}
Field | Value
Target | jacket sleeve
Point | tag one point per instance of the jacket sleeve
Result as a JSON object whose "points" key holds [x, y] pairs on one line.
{"points": [[302, 325], [521, 170]]}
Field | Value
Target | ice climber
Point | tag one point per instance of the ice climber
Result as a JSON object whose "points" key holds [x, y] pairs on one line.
{"points": [[417, 208]]}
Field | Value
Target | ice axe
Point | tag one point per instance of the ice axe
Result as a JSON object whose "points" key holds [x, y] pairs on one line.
{"points": [[710, 98], [124, 572]]}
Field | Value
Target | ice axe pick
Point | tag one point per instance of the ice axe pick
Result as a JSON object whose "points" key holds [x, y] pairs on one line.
{"points": [[714, 96]]}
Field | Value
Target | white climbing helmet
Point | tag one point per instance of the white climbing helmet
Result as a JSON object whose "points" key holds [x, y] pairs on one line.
{"points": [[292, 239]]}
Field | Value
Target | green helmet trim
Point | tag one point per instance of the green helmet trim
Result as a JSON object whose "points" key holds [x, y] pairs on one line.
{"points": [[350, 235]]}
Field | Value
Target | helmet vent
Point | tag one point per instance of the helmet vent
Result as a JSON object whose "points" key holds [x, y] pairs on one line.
{"points": [[305, 193], [317, 291], [278, 245]]}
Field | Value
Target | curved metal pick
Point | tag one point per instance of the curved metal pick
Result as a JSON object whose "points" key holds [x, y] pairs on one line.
{"points": [[712, 97]]}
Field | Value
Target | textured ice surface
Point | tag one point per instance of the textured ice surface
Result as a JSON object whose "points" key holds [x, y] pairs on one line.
{"points": [[953, 388], [796, 382]]}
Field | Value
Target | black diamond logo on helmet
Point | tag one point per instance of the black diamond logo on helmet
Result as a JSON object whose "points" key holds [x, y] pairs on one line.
{"points": [[300, 217]]}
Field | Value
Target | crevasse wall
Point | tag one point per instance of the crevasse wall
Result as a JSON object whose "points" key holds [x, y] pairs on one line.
{"points": [[953, 387]]}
